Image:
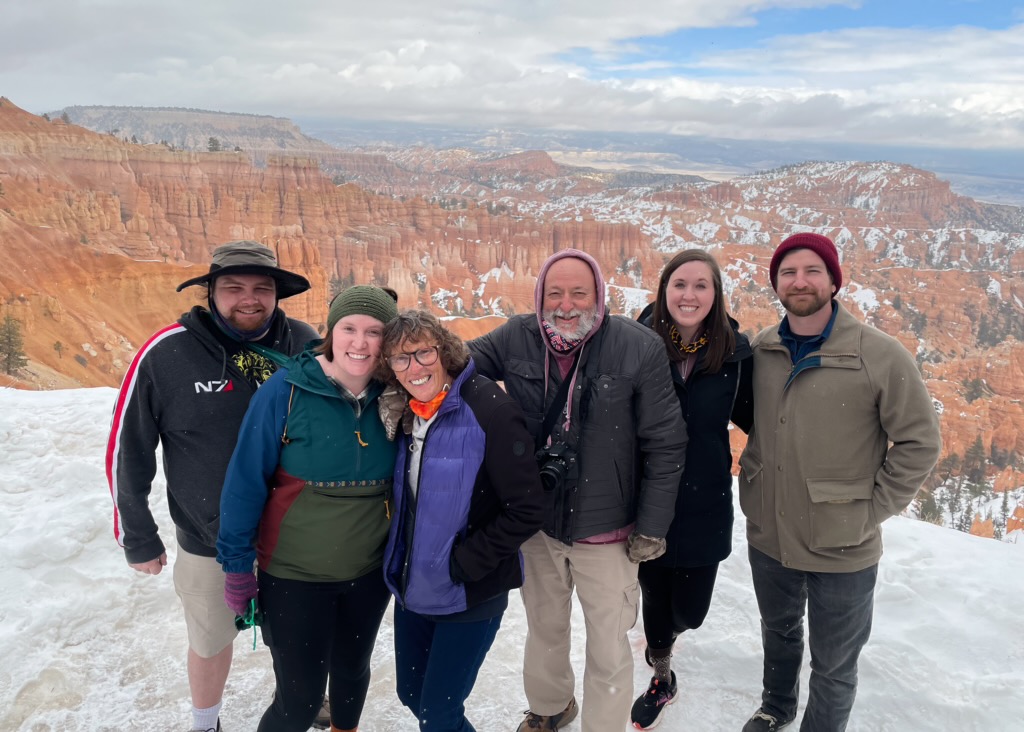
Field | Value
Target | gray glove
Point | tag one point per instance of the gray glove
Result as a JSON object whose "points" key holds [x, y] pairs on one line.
{"points": [[642, 548], [390, 406]]}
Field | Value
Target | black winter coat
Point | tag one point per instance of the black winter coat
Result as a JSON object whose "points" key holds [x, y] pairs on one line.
{"points": [[701, 532], [632, 442]]}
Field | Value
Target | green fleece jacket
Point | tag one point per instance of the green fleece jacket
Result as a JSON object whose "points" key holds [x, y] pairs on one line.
{"points": [[308, 489]]}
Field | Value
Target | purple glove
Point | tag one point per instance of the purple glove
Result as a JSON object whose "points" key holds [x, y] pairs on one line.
{"points": [[239, 588]]}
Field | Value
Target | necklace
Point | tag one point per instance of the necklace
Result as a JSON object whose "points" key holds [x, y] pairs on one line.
{"points": [[684, 366]]}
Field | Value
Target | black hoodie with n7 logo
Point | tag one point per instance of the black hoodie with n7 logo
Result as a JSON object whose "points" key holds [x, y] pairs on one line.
{"points": [[186, 390]]}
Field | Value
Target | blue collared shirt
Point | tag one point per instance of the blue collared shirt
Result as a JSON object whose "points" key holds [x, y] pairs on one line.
{"points": [[800, 347]]}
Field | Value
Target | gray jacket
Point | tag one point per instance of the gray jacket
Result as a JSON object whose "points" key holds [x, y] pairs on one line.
{"points": [[628, 432]]}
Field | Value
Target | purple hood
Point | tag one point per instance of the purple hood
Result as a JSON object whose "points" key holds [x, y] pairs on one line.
{"points": [[538, 293]]}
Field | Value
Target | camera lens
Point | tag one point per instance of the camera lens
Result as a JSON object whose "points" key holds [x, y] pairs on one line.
{"points": [[552, 474], [557, 464]]}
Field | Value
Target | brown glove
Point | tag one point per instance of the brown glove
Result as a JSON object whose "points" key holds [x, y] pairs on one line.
{"points": [[390, 406], [642, 548]]}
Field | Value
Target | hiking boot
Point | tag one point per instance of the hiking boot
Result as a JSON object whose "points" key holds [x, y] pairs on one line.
{"points": [[647, 709], [211, 729], [323, 717], [762, 721], [550, 724]]}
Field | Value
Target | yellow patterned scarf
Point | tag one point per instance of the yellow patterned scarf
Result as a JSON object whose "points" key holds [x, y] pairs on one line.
{"points": [[255, 367], [677, 341]]}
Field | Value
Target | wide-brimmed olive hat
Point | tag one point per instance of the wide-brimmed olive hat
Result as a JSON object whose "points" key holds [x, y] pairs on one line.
{"points": [[250, 257]]}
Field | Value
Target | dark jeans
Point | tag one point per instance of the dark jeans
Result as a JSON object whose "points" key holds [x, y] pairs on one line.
{"points": [[839, 607], [676, 599], [436, 664], [314, 629]]}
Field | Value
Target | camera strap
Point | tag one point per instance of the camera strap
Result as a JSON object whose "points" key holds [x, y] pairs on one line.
{"points": [[562, 395], [558, 405]]}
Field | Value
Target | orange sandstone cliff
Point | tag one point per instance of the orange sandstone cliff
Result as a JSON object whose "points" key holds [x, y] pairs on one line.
{"points": [[96, 232]]}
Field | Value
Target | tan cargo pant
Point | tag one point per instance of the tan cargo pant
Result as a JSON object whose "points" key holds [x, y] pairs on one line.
{"points": [[606, 585]]}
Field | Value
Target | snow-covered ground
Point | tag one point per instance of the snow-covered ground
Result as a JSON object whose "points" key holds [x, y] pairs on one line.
{"points": [[87, 644]]}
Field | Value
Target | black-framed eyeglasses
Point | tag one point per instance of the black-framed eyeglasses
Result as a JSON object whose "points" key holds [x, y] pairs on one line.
{"points": [[424, 357]]}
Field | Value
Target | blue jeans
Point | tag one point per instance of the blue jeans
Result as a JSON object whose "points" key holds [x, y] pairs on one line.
{"points": [[436, 665], [839, 607]]}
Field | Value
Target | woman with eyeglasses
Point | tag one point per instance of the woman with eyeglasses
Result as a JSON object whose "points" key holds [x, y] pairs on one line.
{"points": [[467, 495], [307, 494]]}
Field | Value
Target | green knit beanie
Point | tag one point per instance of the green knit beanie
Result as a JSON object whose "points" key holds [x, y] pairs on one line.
{"points": [[362, 300]]}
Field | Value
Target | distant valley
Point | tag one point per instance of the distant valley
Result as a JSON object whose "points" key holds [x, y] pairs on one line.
{"points": [[987, 176], [96, 231]]}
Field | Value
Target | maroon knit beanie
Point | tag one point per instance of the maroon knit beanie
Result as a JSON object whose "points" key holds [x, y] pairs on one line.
{"points": [[820, 245]]}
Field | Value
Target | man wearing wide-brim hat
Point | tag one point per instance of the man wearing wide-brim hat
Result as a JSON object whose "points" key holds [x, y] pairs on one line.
{"points": [[249, 257], [187, 389]]}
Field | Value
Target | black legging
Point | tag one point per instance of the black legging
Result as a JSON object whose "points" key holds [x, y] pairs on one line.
{"points": [[675, 599], [313, 628]]}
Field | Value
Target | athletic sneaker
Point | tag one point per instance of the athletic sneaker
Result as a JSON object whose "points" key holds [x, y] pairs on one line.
{"points": [[211, 729], [550, 724], [647, 709], [764, 722], [323, 717]]}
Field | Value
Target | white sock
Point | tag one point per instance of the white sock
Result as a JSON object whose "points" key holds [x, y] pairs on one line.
{"points": [[204, 719]]}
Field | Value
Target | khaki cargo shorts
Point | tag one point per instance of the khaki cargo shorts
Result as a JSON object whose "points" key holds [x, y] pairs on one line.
{"points": [[199, 582]]}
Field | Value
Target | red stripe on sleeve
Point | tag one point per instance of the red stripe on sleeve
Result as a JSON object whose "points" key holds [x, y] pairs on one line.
{"points": [[124, 395]]}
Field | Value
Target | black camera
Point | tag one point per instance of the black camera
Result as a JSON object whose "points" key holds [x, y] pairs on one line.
{"points": [[558, 465]]}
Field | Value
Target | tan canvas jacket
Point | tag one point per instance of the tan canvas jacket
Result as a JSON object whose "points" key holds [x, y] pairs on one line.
{"points": [[835, 451]]}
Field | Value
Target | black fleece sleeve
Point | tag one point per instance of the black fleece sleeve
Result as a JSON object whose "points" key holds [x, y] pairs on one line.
{"points": [[511, 470]]}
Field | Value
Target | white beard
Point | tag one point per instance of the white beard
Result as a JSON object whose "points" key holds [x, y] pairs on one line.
{"points": [[584, 325]]}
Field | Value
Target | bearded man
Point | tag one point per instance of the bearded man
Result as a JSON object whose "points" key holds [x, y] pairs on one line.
{"points": [[598, 396], [187, 390], [844, 434]]}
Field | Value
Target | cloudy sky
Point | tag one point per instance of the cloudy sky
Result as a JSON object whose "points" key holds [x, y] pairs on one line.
{"points": [[941, 72]]}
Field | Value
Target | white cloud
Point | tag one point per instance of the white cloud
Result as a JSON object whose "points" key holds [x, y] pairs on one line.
{"points": [[489, 63]]}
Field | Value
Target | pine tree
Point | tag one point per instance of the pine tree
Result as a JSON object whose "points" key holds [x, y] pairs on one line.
{"points": [[966, 519], [948, 467], [975, 462], [974, 389], [1004, 514], [959, 506], [12, 355], [59, 348], [927, 508]]}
